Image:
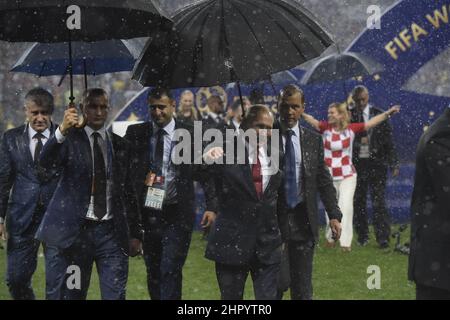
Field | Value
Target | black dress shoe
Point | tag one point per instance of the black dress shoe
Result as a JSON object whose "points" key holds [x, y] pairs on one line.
{"points": [[363, 243], [384, 245]]}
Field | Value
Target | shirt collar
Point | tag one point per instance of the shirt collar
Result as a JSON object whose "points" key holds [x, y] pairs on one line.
{"points": [[296, 130], [213, 115], [169, 128], [236, 124], [32, 132], [89, 131], [366, 110]]}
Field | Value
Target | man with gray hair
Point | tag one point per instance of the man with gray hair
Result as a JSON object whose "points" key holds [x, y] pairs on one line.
{"points": [[25, 191]]}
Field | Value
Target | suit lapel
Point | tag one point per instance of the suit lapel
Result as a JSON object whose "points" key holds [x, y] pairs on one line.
{"points": [[25, 147], [306, 150]]}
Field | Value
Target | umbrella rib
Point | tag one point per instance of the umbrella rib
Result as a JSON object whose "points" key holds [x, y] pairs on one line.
{"points": [[286, 33], [198, 39], [269, 66], [317, 34]]}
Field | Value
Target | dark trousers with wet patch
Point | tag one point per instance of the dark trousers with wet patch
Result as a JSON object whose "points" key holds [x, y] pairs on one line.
{"points": [[97, 243], [22, 258], [371, 178], [166, 245], [232, 280]]}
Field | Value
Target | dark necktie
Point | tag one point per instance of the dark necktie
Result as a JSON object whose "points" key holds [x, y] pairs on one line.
{"points": [[257, 177], [290, 186], [99, 179], [159, 151], [39, 146]]}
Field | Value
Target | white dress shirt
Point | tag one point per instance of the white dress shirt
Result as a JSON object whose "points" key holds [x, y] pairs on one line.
{"points": [[104, 147], [34, 141], [264, 159], [366, 113], [297, 150]]}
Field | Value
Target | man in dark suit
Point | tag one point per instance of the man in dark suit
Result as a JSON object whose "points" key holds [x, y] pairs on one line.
{"points": [[214, 118], [429, 259], [28, 191], [306, 177], [373, 154], [246, 236], [88, 218], [165, 193]]}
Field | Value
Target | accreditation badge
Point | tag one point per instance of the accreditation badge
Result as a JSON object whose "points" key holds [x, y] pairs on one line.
{"points": [[155, 191], [364, 152]]}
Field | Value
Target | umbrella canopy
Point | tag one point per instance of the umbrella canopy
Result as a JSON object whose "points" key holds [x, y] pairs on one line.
{"points": [[90, 58], [222, 41], [340, 66], [46, 20]]}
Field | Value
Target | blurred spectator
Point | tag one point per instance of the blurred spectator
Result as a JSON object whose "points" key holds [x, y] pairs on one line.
{"points": [[186, 110]]}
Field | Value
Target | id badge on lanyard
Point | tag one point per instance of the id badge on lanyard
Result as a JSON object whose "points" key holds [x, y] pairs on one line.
{"points": [[155, 191]]}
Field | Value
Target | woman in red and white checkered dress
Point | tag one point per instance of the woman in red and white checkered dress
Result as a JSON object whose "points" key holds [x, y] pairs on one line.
{"points": [[338, 136]]}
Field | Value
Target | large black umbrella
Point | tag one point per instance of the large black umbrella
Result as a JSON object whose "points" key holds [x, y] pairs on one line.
{"points": [[223, 41], [340, 66], [47, 21]]}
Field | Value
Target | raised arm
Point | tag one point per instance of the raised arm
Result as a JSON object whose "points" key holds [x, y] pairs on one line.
{"points": [[381, 117], [312, 121]]}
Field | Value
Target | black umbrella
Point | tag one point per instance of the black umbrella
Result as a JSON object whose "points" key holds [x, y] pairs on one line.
{"points": [[47, 21], [224, 41], [340, 66]]}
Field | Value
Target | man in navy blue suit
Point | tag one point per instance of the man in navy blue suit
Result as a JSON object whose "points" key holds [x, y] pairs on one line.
{"points": [[24, 194], [92, 216]]}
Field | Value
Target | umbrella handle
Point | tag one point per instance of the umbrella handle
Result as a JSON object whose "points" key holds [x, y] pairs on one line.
{"points": [[82, 119]]}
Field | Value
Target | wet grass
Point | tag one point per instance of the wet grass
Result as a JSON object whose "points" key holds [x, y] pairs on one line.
{"points": [[337, 275]]}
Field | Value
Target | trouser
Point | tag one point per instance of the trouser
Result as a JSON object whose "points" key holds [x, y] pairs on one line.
{"points": [[166, 245], [371, 177], [97, 243], [345, 190], [430, 293], [298, 254], [232, 280], [22, 257]]}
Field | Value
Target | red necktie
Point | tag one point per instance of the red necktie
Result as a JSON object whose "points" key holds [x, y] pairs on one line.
{"points": [[257, 177]]}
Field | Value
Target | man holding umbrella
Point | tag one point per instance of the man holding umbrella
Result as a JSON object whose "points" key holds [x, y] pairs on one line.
{"points": [[92, 215], [31, 190]]}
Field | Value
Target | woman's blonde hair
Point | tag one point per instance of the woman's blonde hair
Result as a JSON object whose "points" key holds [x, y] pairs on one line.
{"points": [[342, 110]]}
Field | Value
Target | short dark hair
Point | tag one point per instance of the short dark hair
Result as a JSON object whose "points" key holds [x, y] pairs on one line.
{"points": [[237, 104], [290, 90], [42, 98], [215, 97], [358, 90], [159, 92], [93, 93]]}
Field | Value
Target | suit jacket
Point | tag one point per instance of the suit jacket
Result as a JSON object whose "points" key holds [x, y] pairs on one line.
{"points": [[22, 184], [209, 123], [67, 210], [245, 224], [316, 181], [382, 149], [429, 260], [139, 136]]}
